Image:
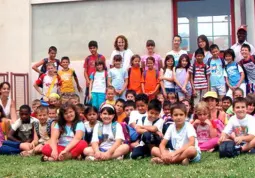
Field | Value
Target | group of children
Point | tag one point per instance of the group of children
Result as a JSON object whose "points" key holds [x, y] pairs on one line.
{"points": [[171, 112]]}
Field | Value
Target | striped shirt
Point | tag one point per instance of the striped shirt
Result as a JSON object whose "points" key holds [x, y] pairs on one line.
{"points": [[200, 81]]}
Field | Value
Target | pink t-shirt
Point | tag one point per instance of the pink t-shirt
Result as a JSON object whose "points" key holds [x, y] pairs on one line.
{"points": [[156, 57], [203, 133]]}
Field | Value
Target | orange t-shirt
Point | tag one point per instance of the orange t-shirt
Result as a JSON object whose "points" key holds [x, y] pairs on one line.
{"points": [[150, 80], [134, 80], [121, 117]]}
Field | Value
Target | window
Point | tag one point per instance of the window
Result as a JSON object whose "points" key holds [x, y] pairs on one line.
{"points": [[194, 18]]}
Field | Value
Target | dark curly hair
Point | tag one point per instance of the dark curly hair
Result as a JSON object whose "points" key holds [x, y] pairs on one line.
{"points": [[116, 42]]}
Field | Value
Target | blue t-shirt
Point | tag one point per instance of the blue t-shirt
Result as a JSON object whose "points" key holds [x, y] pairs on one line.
{"points": [[233, 73], [217, 73], [68, 135], [118, 77]]}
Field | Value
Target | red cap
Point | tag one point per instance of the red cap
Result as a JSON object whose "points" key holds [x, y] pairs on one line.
{"points": [[243, 27]]}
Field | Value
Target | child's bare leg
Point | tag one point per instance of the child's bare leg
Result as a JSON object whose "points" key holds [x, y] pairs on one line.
{"points": [[89, 151], [25, 146], [38, 149], [121, 150], [134, 144], [155, 151], [248, 146], [189, 153]]}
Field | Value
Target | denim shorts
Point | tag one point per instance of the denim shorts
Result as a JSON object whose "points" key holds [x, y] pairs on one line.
{"points": [[197, 158]]}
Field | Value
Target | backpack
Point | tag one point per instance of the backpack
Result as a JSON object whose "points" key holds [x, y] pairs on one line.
{"points": [[100, 130], [194, 71], [48, 128], [130, 133], [228, 149], [129, 73], [222, 61], [45, 62], [145, 72], [252, 58]]}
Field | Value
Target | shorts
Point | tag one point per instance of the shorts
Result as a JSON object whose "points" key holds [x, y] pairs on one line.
{"points": [[178, 90], [170, 90], [197, 158], [220, 90], [102, 149]]}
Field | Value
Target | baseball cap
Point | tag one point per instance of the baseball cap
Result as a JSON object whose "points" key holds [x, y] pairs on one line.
{"points": [[211, 94], [242, 27]]}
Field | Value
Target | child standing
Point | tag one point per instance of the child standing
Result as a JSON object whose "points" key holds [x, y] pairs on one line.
{"points": [[183, 139], [66, 138], [248, 65], [150, 129], [182, 78], [233, 73], [89, 65], [150, 81], [50, 82], [166, 76], [217, 67], [205, 128], [135, 74], [242, 125], [98, 84], [107, 138], [67, 75], [91, 116], [118, 77], [150, 45], [199, 76]]}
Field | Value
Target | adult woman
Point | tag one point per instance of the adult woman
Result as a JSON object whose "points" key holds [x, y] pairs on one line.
{"points": [[177, 51], [203, 43], [121, 48], [6, 102]]}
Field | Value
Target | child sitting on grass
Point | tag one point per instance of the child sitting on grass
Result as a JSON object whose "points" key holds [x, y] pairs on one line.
{"points": [[226, 103], [183, 139], [107, 138], [130, 95], [91, 120], [66, 138], [23, 130], [129, 106], [150, 129], [119, 107], [206, 128], [242, 125], [41, 131]]}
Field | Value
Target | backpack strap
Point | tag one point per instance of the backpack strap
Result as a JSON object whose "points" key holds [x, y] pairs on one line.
{"points": [[209, 61], [36, 127], [114, 128], [194, 71], [129, 72], [223, 63], [154, 122], [51, 86], [143, 119], [100, 131]]}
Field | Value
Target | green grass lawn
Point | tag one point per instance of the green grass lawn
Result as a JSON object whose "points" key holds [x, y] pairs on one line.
{"points": [[210, 166]]}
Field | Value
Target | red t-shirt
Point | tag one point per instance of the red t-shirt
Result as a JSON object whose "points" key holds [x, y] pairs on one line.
{"points": [[89, 63]]}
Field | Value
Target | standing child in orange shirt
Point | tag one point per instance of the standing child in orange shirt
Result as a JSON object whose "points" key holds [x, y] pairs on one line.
{"points": [[135, 73], [150, 82]]}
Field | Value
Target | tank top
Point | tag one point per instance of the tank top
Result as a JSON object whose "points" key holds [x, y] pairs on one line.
{"points": [[7, 108], [168, 74]]}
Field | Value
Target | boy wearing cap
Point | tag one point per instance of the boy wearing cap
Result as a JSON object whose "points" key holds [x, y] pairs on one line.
{"points": [[150, 45], [89, 65], [242, 125], [241, 36]]}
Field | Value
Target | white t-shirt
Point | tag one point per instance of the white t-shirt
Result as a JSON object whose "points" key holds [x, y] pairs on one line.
{"points": [[168, 74], [109, 138], [126, 56], [134, 116], [240, 126], [99, 82], [176, 55], [237, 49], [181, 137], [159, 123], [87, 127]]}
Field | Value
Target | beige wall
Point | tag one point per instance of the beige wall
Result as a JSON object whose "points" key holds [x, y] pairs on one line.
{"points": [[15, 36]]}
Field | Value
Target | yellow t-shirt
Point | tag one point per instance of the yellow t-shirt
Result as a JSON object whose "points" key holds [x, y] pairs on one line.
{"points": [[67, 81]]}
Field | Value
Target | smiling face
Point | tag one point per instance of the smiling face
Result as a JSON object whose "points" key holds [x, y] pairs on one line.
{"points": [[110, 94], [176, 42], [69, 115], [121, 44], [117, 63], [184, 62], [170, 63], [150, 64], [166, 110], [250, 108], [228, 58], [136, 62], [215, 52], [150, 49], [178, 117], [100, 67], [53, 113], [211, 102], [24, 115], [141, 107], [93, 50], [130, 97], [226, 104], [52, 54], [201, 43], [153, 115], [241, 36], [65, 63], [51, 69], [5, 90], [245, 52], [42, 116], [240, 110], [199, 58], [106, 117]]}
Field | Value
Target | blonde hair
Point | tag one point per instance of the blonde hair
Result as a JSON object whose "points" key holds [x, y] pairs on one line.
{"points": [[202, 107]]}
